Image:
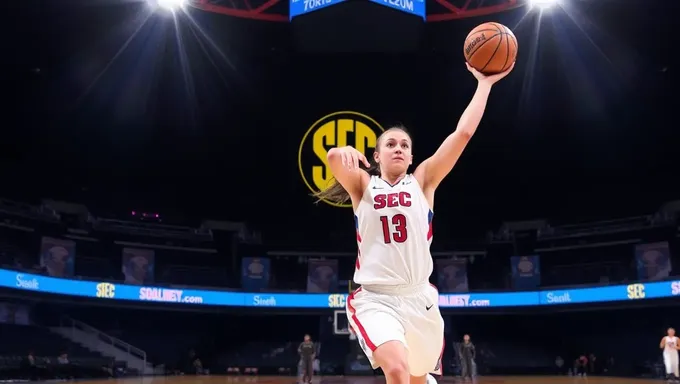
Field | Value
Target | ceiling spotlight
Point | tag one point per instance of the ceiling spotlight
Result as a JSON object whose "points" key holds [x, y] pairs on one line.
{"points": [[171, 5], [542, 3]]}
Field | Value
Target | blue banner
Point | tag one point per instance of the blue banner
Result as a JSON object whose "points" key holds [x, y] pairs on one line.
{"points": [[413, 7], [526, 271], [653, 261], [113, 291], [300, 7], [255, 273], [57, 257], [452, 275]]}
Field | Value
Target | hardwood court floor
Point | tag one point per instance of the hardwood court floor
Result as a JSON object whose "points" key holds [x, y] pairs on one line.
{"points": [[371, 380]]}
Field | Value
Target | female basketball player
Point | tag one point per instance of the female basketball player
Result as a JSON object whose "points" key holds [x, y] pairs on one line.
{"points": [[669, 344], [395, 313]]}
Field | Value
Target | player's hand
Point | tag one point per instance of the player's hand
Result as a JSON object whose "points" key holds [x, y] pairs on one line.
{"points": [[351, 158], [489, 79]]}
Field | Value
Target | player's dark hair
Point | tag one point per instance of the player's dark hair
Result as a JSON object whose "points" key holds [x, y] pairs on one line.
{"points": [[336, 193]]}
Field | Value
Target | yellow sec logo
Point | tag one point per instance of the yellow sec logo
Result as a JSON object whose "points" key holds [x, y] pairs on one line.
{"points": [[338, 129]]}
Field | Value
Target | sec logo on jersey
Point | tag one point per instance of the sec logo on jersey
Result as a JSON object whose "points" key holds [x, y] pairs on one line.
{"points": [[338, 129]]}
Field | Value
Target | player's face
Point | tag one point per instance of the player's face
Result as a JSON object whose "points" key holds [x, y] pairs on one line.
{"points": [[671, 332], [394, 153]]}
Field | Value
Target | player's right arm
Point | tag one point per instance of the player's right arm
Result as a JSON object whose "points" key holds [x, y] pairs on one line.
{"points": [[663, 342], [344, 164]]}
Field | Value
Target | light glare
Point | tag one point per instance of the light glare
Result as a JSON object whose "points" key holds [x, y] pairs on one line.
{"points": [[543, 3], [171, 4]]}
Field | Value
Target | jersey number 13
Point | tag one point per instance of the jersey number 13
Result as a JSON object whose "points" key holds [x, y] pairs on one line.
{"points": [[394, 229]]}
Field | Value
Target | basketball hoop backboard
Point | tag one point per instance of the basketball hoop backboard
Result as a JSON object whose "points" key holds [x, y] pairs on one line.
{"points": [[340, 324]]}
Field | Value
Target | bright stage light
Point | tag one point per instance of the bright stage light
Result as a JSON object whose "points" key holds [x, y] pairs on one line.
{"points": [[171, 4], [542, 3]]}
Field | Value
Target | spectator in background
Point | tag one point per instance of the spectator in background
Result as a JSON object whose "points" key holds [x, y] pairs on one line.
{"points": [[592, 366], [307, 351], [65, 370], [192, 364], [559, 362], [63, 359], [580, 365], [30, 366], [110, 368], [467, 357]]}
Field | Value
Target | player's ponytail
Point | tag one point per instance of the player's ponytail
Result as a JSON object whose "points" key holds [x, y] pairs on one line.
{"points": [[336, 193]]}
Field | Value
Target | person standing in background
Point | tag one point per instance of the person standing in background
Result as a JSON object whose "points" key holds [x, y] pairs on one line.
{"points": [[307, 351], [559, 362], [467, 357], [582, 363]]}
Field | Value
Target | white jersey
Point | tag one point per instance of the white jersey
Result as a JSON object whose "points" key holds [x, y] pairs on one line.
{"points": [[394, 232], [670, 344]]}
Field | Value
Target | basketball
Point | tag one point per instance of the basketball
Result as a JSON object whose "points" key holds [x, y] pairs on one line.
{"points": [[490, 48]]}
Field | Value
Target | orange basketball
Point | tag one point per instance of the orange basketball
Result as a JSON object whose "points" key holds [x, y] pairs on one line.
{"points": [[490, 48]]}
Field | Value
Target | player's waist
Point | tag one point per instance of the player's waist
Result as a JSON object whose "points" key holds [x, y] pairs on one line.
{"points": [[396, 289]]}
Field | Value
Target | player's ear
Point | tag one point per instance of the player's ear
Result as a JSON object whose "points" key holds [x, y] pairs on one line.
{"points": [[376, 157], [410, 160]]}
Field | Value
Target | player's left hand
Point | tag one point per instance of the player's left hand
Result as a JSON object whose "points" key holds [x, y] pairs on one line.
{"points": [[489, 79]]}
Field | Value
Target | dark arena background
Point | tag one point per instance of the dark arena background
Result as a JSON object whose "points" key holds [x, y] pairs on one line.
{"points": [[157, 160]]}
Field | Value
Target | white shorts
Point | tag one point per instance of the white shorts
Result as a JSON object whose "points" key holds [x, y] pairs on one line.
{"points": [[409, 315]]}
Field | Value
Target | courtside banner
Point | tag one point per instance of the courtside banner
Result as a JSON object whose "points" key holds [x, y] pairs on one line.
{"points": [[300, 7], [413, 7], [114, 291]]}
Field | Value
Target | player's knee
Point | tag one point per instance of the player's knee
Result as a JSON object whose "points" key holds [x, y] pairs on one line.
{"points": [[397, 369], [392, 359]]}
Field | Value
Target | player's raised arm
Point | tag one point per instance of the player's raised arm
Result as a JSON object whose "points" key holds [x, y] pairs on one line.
{"points": [[344, 163], [433, 170]]}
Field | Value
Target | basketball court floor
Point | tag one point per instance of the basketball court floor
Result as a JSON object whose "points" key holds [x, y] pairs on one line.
{"points": [[370, 380]]}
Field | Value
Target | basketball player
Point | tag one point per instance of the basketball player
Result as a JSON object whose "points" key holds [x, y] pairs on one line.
{"points": [[669, 344], [395, 313]]}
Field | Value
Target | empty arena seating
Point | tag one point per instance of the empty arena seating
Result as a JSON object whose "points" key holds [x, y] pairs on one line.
{"points": [[19, 340]]}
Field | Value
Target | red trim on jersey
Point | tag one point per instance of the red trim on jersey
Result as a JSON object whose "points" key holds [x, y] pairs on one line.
{"points": [[358, 236], [362, 330]]}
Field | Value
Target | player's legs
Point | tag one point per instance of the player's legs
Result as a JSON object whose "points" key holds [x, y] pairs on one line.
{"points": [[392, 359], [667, 363], [380, 333], [674, 364], [418, 379], [424, 334]]}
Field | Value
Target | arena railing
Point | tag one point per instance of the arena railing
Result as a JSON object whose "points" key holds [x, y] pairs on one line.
{"points": [[113, 341]]}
